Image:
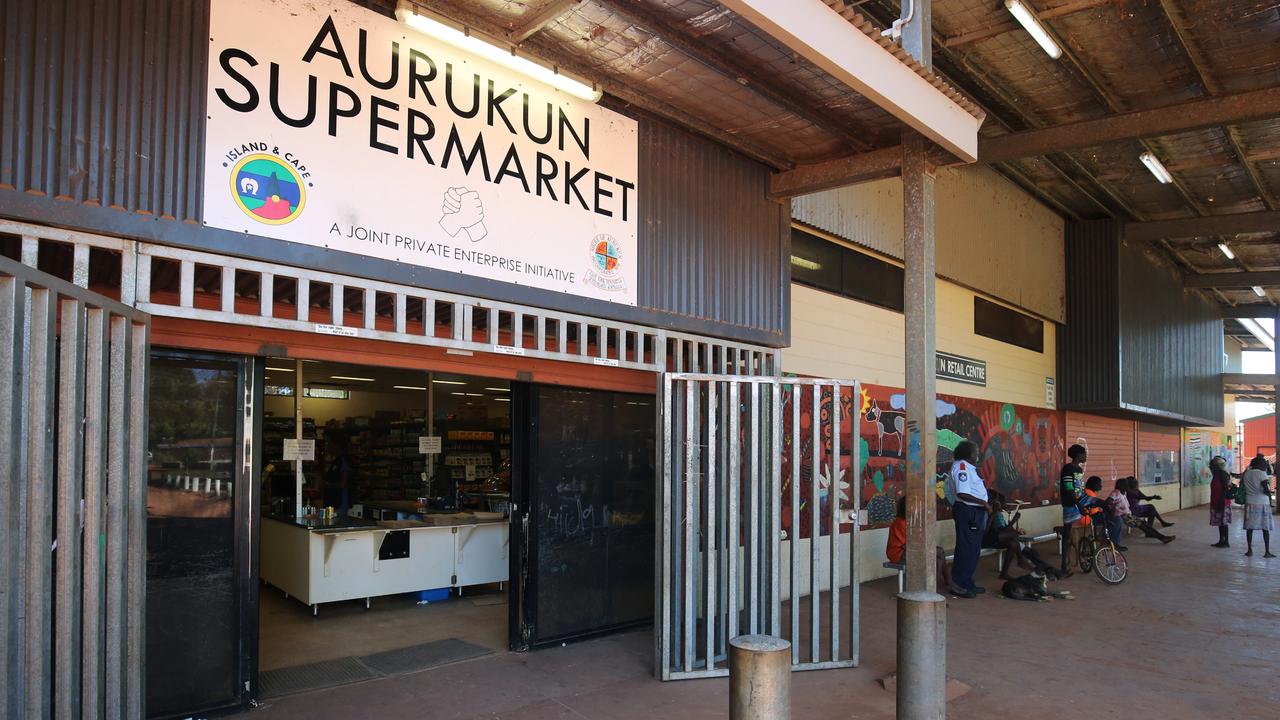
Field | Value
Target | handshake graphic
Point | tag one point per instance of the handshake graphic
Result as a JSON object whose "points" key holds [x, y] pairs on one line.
{"points": [[463, 212]]}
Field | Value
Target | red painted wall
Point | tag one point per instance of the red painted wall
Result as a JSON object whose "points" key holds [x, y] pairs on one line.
{"points": [[1259, 432]]}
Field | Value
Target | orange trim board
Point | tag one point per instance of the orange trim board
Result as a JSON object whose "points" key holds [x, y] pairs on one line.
{"points": [[245, 340]]}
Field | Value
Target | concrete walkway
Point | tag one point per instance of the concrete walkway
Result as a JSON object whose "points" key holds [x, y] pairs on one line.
{"points": [[1193, 633]]}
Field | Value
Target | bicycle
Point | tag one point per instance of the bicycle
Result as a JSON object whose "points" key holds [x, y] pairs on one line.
{"points": [[1099, 555]]}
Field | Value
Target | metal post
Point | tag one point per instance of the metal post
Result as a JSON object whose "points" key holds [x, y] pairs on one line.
{"points": [[1275, 399], [297, 434], [921, 611], [759, 678], [921, 619], [430, 427]]}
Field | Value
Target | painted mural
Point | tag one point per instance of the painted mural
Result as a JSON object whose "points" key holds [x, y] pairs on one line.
{"points": [[1200, 447], [1021, 450]]}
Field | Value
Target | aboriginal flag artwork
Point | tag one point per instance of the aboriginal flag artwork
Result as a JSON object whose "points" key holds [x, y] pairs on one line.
{"points": [[267, 189]]}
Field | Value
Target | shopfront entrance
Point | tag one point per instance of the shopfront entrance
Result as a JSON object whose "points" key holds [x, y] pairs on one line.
{"points": [[383, 515], [399, 556]]}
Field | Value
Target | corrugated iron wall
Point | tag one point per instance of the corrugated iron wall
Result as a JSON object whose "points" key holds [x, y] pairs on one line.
{"points": [[102, 102], [1171, 341], [101, 128], [1135, 341], [1089, 343], [991, 236], [707, 239]]}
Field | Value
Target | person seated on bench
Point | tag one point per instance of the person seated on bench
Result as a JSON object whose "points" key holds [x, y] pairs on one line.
{"points": [[1103, 510], [896, 548], [1141, 509], [1121, 498], [1003, 533]]}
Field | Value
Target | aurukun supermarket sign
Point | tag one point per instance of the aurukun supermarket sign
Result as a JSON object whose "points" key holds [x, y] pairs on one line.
{"points": [[333, 126]]}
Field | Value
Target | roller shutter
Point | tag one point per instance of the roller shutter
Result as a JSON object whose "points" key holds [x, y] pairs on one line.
{"points": [[1111, 442]]}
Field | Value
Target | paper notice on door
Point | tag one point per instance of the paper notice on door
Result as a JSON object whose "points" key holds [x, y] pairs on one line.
{"points": [[295, 449], [429, 444], [471, 473]]}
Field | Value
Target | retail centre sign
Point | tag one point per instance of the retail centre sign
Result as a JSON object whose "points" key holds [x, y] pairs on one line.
{"points": [[333, 126], [959, 368]]}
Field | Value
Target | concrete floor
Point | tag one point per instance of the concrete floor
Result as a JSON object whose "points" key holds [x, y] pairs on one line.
{"points": [[290, 635], [1193, 633]]}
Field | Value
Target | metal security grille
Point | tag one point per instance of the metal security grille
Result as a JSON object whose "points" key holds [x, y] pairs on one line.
{"points": [[73, 394], [173, 282], [753, 536]]}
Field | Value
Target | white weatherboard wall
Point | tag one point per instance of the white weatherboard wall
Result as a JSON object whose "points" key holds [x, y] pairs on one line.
{"points": [[832, 336], [991, 236]]}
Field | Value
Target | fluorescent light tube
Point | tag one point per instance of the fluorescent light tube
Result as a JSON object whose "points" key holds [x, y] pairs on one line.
{"points": [[1156, 167], [280, 369], [475, 394], [1226, 251], [499, 389], [502, 399], [407, 13], [408, 387], [448, 382], [805, 263], [1259, 291], [348, 377], [1031, 24]]}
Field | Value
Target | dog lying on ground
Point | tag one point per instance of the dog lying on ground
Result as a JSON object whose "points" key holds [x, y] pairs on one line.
{"points": [[1033, 587]]}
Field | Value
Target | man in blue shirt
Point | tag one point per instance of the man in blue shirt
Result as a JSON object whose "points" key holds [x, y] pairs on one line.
{"points": [[970, 515]]}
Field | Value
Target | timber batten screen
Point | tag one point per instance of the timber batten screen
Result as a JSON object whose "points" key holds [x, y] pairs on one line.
{"points": [[73, 391], [750, 464]]}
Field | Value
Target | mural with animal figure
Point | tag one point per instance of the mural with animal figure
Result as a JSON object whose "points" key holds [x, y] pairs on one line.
{"points": [[1020, 450]]}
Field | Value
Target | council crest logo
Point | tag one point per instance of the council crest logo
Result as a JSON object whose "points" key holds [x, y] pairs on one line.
{"points": [[267, 189], [605, 255], [605, 269]]}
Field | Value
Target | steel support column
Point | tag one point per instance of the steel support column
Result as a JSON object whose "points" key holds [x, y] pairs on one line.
{"points": [[921, 610], [921, 619], [1275, 398]]}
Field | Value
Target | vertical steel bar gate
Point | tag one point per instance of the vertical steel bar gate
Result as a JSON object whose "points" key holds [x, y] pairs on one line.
{"points": [[761, 480], [73, 394]]}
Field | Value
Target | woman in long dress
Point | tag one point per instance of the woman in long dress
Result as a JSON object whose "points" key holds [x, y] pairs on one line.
{"points": [[1219, 503]]}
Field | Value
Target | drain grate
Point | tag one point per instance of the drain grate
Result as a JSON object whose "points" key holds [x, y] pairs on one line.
{"points": [[313, 676], [420, 657]]}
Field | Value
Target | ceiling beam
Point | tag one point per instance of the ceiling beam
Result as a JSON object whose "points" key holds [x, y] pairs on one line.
{"points": [[540, 20], [1256, 379], [725, 63], [1257, 222], [1242, 107], [1270, 278], [805, 179], [1191, 115], [1248, 312], [885, 75]]}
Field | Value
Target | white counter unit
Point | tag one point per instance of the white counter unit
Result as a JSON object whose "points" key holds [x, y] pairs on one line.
{"points": [[326, 565]]}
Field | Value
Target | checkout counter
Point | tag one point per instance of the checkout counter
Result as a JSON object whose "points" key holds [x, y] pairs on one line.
{"points": [[348, 558]]}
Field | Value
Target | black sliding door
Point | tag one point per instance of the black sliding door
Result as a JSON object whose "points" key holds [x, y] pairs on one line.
{"points": [[588, 512], [199, 648]]}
